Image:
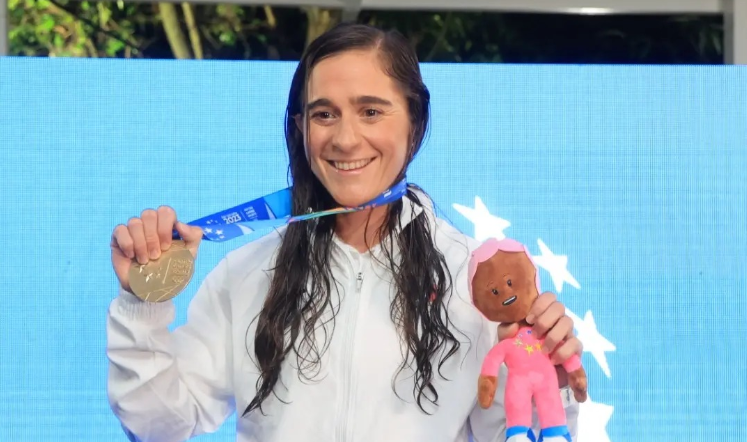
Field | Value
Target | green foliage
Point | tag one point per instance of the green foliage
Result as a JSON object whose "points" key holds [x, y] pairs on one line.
{"points": [[64, 28], [223, 31]]}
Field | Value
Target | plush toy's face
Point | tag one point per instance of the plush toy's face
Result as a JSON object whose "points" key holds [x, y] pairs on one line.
{"points": [[504, 286]]}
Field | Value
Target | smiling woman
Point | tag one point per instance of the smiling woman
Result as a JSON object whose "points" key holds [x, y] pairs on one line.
{"points": [[357, 326], [357, 132], [356, 126]]}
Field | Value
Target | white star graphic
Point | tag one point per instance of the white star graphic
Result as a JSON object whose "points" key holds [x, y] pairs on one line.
{"points": [[486, 225], [556, 265], [208, 230], [593, 341], [592, 421]]}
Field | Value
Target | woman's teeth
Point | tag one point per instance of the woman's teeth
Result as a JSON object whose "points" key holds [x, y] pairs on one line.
{"points": [[351, 165]]}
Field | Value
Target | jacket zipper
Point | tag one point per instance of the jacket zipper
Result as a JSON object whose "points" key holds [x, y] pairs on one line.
{"points": [[347, 372]]}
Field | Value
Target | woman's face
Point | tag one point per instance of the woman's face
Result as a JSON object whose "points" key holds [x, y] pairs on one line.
{"points": [[358, 127]]}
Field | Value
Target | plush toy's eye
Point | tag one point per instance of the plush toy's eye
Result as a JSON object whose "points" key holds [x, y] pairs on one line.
{"points": [[495, 291], [508, 282]]}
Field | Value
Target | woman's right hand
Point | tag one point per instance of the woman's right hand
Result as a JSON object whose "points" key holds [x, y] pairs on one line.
{"points": [[146, 237]]}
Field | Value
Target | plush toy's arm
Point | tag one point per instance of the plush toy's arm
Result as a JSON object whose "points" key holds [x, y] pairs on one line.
{"points": [[572, 364], [488, 382], [576, 377], [495, 357]]}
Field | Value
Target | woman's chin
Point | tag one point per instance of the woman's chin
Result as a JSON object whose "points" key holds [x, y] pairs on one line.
{"points": [[348, 199]]}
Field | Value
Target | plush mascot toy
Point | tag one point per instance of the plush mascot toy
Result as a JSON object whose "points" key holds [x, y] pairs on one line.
{"points": [[504, 284]]}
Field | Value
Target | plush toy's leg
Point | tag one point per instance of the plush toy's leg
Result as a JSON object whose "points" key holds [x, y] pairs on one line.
{"points": [[551, 412], [518, 406]]}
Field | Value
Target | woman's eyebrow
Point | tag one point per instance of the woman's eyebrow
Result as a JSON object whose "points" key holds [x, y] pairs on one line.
{"points": [[363, 99], [318, 103], [371, 99]]}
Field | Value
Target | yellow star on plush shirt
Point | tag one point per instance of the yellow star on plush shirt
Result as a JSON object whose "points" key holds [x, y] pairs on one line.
{"points": [[529, 349]]}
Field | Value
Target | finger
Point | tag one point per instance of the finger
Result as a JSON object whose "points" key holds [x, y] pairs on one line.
{"points": [[557, 334], [540, 305], [122, 240], [135, 227], [572, 328], [507, 330], [191, 235], [150, 227], [564, 351], [548, 319], [166, 221]]}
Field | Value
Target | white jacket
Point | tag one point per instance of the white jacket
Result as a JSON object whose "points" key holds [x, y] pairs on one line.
{"points": [[171, 386]]}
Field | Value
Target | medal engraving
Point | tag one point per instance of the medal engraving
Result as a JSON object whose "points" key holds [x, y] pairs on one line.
{"points": [[165, 277]]}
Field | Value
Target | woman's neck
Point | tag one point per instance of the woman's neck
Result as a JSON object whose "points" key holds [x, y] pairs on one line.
{"points": [[361, 229]]}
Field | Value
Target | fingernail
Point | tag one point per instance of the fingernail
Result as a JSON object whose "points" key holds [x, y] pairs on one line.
{"points": [[154, 254], [530, 319]]}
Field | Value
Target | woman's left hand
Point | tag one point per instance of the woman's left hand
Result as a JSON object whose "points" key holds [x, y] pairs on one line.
{"points": [[549, 321]]}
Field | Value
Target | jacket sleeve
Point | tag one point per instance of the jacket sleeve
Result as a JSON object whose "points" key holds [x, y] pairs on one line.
{"points": [[171, 386], [490, 425]]}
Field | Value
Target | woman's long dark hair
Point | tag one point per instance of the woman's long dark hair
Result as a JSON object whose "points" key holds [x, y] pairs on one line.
{"points": [[302, 282]]}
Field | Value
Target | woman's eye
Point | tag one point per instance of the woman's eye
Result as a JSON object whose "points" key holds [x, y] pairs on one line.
{"points": [[371, 112], [323, 115]]}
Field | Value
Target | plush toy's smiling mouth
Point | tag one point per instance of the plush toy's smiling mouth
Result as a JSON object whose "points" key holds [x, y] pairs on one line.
{"points": [[509, 301]]}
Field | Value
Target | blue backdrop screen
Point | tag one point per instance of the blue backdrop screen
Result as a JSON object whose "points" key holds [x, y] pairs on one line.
{"points": [[627, 184]]}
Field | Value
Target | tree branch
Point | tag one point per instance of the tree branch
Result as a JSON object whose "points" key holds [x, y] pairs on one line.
{"points": [[95, 27], [174, 32], [194, 33], [272, 22], [439, 39], [320, 20]]}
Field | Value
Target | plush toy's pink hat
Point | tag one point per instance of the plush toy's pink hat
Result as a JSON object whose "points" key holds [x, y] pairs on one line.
{"points": [[489, 248]]}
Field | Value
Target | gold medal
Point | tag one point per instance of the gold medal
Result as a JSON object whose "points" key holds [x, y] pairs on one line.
{"points": [[165, 277]]}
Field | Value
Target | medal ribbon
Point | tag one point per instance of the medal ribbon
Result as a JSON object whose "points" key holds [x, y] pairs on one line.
{"points": [[274, 210]]}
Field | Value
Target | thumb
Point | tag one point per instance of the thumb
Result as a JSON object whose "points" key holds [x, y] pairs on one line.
{"points": [[507, 330], [192, 236]]}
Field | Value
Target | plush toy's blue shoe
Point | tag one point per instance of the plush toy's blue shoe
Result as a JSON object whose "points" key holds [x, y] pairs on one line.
{"points": [[555, 434], [520, 434]]}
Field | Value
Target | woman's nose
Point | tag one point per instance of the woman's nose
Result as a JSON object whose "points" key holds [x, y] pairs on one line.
{"points": [[346, 136]]}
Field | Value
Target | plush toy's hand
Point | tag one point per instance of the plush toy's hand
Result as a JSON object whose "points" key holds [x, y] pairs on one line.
{"points": [[486, 387], [549, 321], [577, 382]]}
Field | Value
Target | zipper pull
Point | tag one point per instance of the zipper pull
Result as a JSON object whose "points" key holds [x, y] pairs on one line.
{"points": [[359, 284]]}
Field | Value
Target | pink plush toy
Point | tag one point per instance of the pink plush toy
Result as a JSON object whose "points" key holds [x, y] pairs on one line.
{"points": [[504, 285]]}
